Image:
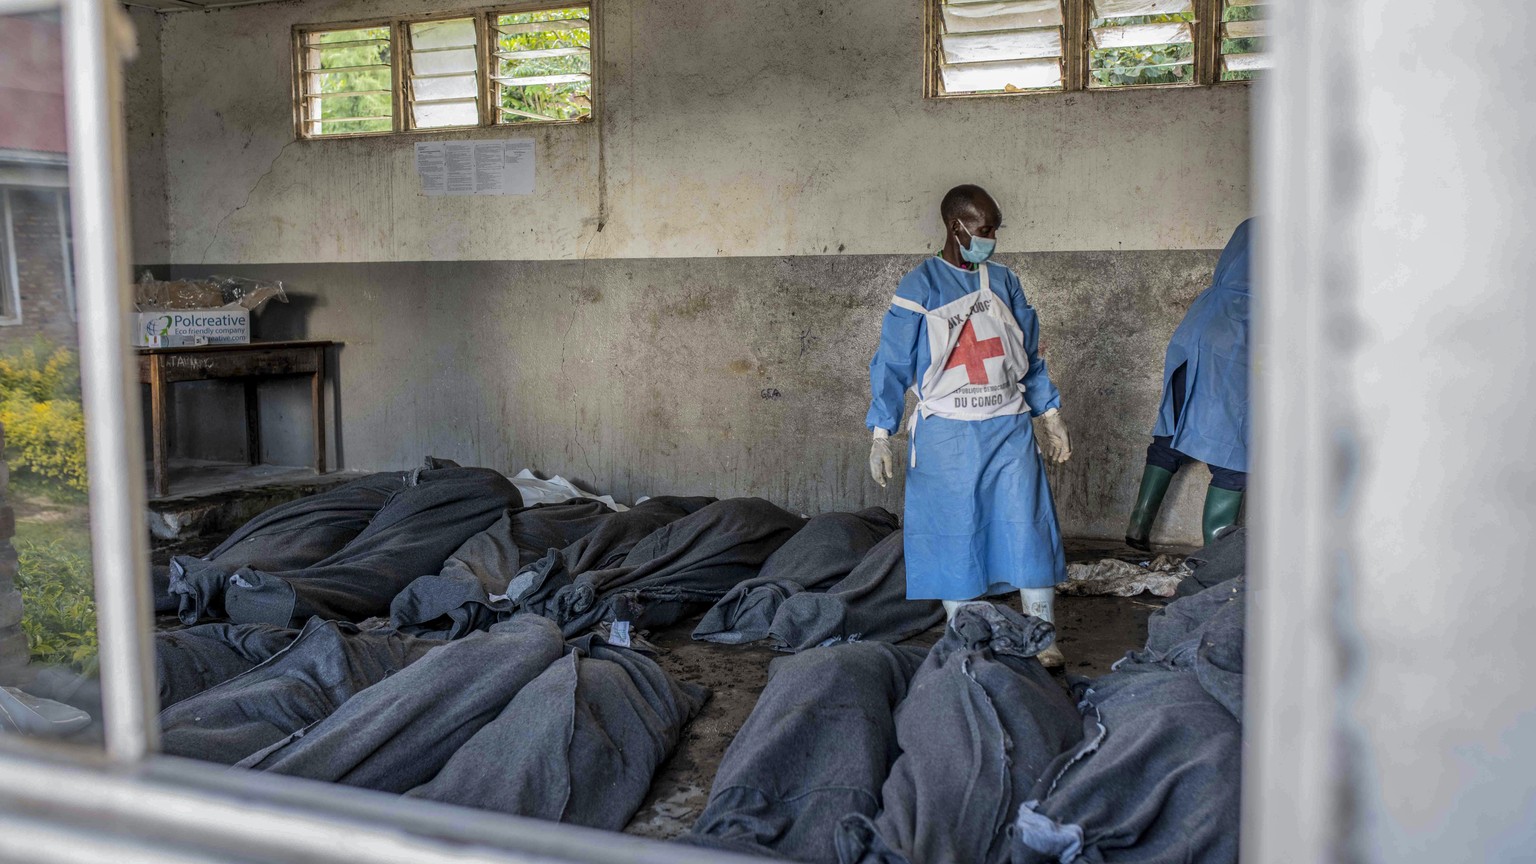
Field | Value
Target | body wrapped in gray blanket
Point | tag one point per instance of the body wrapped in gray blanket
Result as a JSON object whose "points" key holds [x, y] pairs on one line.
{"points": [[400, 732], [870, 603], [329, 663], [471, 591], [822, 554], [817, 748], [189, 661], [981, 723], [427, 515], [1158, 775], [580, 743], [685, 564]]}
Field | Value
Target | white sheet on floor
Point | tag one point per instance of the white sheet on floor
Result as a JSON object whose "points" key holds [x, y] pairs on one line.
{"points": [[556, 490], [1111, 576]]}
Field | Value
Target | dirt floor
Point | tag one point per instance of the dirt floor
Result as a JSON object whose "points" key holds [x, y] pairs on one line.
{"points": [[1095, 632]]}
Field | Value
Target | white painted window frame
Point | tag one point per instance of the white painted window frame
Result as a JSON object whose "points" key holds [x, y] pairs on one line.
{"points": [[127, 805], [9, 270]]}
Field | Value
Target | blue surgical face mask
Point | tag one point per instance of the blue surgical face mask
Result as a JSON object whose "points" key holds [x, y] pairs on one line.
{"points": [[980, 248]]}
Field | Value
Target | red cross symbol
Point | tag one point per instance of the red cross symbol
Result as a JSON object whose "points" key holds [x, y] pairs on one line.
{"points": [[972, 354]]}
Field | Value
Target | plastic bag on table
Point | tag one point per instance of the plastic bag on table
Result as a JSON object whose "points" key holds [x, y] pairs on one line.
{"points": [[251, 294]]}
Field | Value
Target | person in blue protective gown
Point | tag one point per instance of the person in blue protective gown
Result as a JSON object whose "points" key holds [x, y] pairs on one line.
{"points": [[1204, 412], [979, 516]]}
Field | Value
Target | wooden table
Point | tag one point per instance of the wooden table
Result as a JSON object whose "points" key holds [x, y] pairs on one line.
{"points": [[251, 363]]}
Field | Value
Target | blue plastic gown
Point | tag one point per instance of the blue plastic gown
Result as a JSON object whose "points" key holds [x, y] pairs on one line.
{"points": [[979, 516], [1212, 344]]}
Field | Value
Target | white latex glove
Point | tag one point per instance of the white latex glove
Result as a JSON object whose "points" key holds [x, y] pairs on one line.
{"points": [[880, 465], [1051, 431]]}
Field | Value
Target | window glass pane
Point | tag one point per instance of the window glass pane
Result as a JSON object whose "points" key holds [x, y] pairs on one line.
{"points": [[48, 640], [360, 55], [1141, 42], [434, 114], [444, 74], [451, 87], [354, 98], [1000, 47], [443, 34], [544, 65], [444, 62]]}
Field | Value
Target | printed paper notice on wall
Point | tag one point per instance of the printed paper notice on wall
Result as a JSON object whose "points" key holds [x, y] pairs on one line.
{"points": [[475, 167]]}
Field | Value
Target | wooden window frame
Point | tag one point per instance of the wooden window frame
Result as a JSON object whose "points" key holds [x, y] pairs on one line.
{"points": [[484, 17], [402, 35], [1075, 49], [300, 70]]}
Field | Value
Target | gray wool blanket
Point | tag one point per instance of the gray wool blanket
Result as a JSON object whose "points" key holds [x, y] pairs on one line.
{"points": [[822, 554], [870, 604]]}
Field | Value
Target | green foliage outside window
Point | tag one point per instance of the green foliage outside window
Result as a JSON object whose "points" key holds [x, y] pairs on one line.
{"points": [[40, 411], [1250, 45], [1142, 64], [341, 113], [44, 432], [542, 57], [60, 608]]}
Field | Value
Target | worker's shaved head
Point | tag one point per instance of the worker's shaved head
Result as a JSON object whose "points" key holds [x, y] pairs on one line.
{"points": [[971, 205]]}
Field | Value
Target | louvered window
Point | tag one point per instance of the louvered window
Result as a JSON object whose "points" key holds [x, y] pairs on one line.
{"points": [[470, 69], [346, 83], [1138, 42], [444, 74], [986, 47], [1242, 39], [543, 63], [1001, 47]]}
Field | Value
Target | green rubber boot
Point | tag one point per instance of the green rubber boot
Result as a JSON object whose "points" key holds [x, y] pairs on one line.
{"points": [[1221, 508], [1154, 485]]}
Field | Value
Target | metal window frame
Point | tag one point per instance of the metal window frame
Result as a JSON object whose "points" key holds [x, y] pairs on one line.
{"points": [[1075, 51], [493, 87]]}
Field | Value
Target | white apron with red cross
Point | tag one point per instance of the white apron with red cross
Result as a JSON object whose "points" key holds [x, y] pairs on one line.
{"points": [[978, 358]]}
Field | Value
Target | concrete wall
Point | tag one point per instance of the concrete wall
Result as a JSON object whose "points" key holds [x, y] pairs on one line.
{"points": [[144, 109], [733, 224]]}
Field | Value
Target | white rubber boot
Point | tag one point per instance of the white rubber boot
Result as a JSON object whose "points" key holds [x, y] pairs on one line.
{"points": [[1041, 603]]}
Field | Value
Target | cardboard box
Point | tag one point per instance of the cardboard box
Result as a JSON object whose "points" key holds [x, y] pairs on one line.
{"points": [[178, 328]]}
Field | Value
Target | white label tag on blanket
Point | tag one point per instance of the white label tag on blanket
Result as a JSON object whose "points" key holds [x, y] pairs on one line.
{"points": [[619, 634]]}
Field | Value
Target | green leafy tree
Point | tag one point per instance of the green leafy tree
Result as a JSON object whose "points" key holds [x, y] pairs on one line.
{"points": [[1142, 64], [336, 73], [536, 53]]}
